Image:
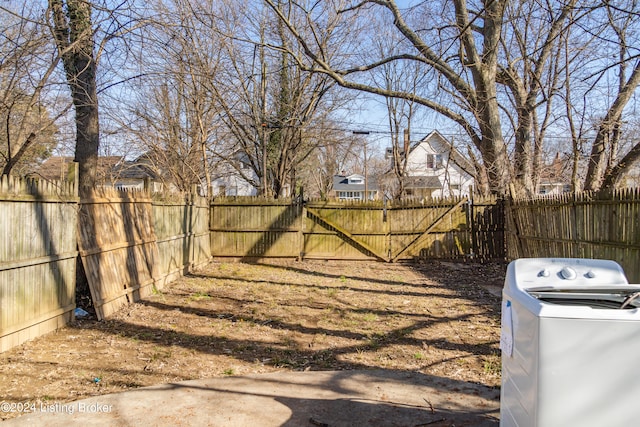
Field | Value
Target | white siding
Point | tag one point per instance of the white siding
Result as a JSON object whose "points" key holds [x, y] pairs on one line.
{"points": [[431, 158]]}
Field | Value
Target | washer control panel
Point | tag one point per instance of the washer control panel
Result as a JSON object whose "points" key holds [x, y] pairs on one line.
{"points": [[568, 273], [564, 272]]}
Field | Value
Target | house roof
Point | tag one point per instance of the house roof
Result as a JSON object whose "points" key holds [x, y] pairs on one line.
{"points": [[341, 183], [558, 171], [54, 168], [454, 155], [57, 167], [443, 145], [134, 170]]}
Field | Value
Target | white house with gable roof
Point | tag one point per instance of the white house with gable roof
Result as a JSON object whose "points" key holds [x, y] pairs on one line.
{"points": [[436, 169]]}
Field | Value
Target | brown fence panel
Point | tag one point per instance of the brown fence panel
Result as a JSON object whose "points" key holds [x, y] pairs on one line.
{"points": [[433, 229], [37, 258], [584, 225], [255, 227], [486, 224], [345, 230], [118, 247], [181, 224], [373, 230]]}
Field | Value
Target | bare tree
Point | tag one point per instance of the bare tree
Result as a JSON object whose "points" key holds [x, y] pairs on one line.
{"points": [[400, 114], [468, 70], [531, 78], [29, 108], [174, 115], [604, 169], [497, 64], [333, 152], [74, 36], [274, 112]]}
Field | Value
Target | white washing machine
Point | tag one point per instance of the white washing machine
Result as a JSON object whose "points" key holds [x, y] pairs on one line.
{"points": [[570, 341]]}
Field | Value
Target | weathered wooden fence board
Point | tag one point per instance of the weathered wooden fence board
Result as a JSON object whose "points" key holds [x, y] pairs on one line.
{"points": [[253, 227], [37, 258], [486, 224], [345, 231], [201, 239], [118, 247], [419, 231], [583, 225], [182, 230], [245, 227]]}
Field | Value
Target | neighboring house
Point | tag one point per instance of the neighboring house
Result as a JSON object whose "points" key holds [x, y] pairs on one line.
{"points": [[555, 178], [631, 179], [353, 187], [436, 169], [60, 168], [234, 177], [227, 179], [113, 171], [133, 175], [232, 185], [55, 168]]}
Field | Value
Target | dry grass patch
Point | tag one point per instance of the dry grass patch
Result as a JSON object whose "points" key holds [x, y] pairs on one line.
{"points": [[237, 318]]}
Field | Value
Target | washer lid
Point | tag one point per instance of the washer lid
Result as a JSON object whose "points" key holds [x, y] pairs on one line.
{"points": [[562, 273], [611, 298]]}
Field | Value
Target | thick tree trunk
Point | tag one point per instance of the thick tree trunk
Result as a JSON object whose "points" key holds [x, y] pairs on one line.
{"points": [[73, 33], [87, 128], [493, 149]]}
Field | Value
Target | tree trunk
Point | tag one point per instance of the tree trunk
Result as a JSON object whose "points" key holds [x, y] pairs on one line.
{"points": [[493, 149], [73, 33]]}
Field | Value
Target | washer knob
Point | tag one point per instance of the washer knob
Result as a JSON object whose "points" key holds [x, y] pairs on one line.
{"points": [[568, 273], [544, 273], [590, 274]]}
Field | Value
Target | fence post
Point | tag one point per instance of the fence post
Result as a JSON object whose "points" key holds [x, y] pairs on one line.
{"points": [[76, 172], [302, 210], [472, 223]]}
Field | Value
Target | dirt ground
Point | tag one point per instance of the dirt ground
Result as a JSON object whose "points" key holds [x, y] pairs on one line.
{"points": [[440, 319]]}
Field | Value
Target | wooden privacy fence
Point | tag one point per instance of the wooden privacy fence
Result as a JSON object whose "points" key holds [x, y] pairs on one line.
{"points": [[256, 227], [118, 247], [182, 233], [133, 242], [37, 258], [583, 225], [131, 245], [128, 244], [450, 228]]}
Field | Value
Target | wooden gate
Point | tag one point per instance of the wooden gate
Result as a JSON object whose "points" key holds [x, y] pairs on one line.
{"points": [[386, 231], [445, 229]]}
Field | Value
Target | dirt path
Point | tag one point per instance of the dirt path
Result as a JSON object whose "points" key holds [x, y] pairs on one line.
{"points": [[438, 319]]}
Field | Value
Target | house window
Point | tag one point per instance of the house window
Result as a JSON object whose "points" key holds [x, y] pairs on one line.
{"points": [[434, 161], [350, 195]]}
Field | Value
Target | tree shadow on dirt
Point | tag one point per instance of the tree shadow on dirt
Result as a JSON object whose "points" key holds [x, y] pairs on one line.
{"points": [[463, 280], [300, 324], [309, 358], [398, 336]]}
